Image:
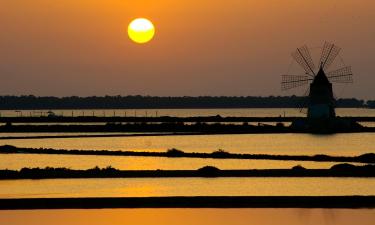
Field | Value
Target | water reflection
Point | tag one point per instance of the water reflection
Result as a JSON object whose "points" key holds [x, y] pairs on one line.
{"points": [[143, 187], [292, 144], [190, 216]]}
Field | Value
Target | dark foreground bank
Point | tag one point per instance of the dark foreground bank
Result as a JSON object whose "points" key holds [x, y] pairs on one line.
{"points": [[301, 125], [339, 170], [192, 202], [175, 153]]}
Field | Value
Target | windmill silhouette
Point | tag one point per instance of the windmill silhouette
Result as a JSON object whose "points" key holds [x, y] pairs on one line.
{"points": [[320, 101]]}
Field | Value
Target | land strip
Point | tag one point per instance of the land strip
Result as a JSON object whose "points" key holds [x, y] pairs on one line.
{"points": [[163, 119], [353, 202], [339, 170], [197, 125], [175, 153]]}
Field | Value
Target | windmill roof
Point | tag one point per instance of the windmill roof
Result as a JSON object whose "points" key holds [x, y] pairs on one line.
{"points": [[321, 77]]}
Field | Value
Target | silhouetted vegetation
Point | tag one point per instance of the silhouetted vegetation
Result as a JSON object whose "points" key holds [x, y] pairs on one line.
{"points": [[341, 170], [371, 104], [148, 102], [174, 153], [350, 103], [298, 168], [209, 171], [220, 154]]}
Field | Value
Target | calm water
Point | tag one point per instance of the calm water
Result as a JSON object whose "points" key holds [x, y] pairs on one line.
{"points": [[190, 216], [293, 144], [144, 187], [264, 112], [16, 162]]}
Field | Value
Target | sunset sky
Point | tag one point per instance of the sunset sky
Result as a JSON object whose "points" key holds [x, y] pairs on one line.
{"points": [[201, 47]]}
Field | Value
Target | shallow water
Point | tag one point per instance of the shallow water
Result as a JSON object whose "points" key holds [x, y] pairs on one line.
{"points": [[143, 187], [284, 144], [190, 216]]}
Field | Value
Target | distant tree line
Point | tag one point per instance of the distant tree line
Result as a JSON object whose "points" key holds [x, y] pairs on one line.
{"points": [[371, 104], [148, 102]]}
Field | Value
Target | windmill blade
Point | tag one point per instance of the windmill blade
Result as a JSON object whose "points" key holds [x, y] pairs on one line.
{"points": [[329, 54], [342, 75], [335, 96], [303, 58], [305, 53], [302, 105], [292, 81]]}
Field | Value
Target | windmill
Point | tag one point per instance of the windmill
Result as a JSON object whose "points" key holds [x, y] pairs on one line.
{"points": [[320, 101]]}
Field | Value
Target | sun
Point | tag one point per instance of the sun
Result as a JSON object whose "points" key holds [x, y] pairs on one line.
{"points": [[141, 30]]}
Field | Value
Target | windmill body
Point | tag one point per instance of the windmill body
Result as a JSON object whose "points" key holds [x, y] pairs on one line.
{"points": [[321, 101]]}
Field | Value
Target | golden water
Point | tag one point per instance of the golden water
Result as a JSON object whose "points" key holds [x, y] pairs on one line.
{"points": [[293, 144], [190, 216], [143, 187], [283, 144]]}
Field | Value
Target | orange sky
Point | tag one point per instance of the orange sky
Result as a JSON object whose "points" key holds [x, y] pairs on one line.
{"points": [[205, 47]]}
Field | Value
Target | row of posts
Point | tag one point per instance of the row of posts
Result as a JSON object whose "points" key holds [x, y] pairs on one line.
{"points": [[74, 113]]}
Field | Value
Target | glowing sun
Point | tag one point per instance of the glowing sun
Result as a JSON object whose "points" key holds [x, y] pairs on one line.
{"points": [[141, 30]]}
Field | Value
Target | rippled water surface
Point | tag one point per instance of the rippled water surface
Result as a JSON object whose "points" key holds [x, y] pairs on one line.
{"points": [[293, 144], [190, 216], [144, 187]]}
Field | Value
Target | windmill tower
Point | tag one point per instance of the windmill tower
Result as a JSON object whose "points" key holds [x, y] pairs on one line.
{"points": [[321, 101]]}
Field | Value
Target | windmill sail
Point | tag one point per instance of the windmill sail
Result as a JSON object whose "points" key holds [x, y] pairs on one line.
{"points": [[329, 54], [302, 105], [303, 58], [292, 81], [343, 75]]}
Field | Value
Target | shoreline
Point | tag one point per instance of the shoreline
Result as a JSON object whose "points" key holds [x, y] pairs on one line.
{"points": [[164, 119], [175, 127], [203, 125], [175, 153], [338, 170], [350, 202]]}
